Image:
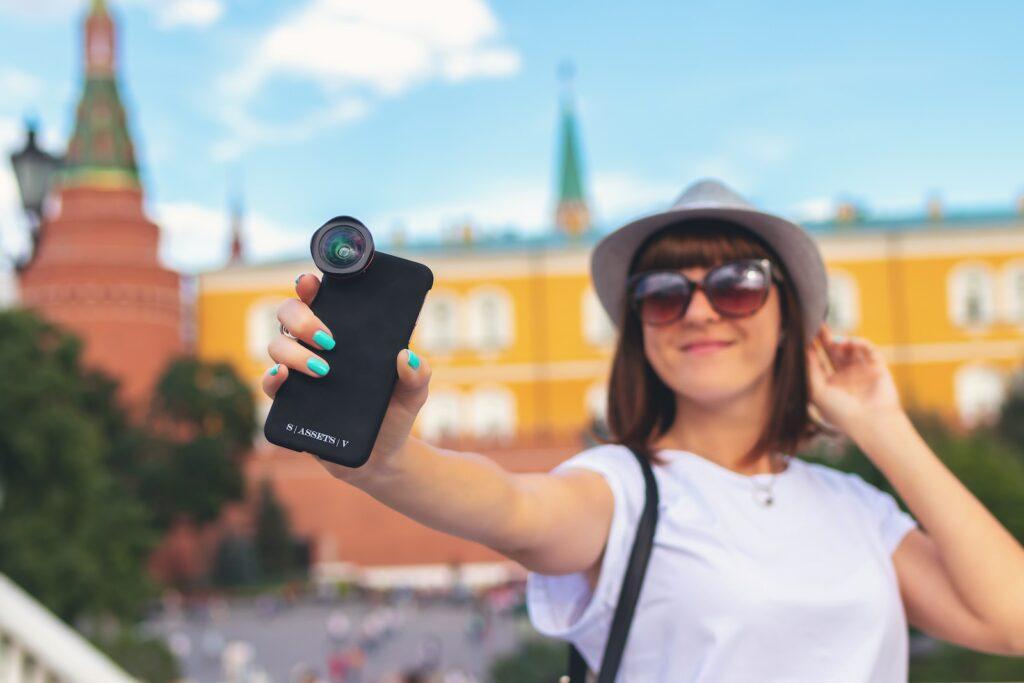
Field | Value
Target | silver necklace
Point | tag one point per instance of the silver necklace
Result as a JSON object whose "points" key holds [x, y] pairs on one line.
{"points": [[763, 492]]}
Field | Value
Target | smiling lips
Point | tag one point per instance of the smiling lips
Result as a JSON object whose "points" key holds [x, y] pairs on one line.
{"points": [[706, 347]]}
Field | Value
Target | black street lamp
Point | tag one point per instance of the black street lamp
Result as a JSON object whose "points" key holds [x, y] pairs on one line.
{"points": [[34, 169]]}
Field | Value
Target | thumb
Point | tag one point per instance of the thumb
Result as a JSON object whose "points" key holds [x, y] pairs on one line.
{"points": [[413, 380]]}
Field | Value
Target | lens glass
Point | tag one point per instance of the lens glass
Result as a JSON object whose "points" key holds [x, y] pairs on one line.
{"points": [[661, 297], [738, 288], [343, 246]]}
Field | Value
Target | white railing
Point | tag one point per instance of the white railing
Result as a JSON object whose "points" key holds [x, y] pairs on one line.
{"points": [[37, 647]]}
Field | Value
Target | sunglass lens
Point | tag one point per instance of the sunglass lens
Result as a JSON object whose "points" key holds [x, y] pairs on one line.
{"points": [[739, 289], [660, 298]]}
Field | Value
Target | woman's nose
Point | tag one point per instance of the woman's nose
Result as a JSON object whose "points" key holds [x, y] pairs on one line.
{"points": [[700, 308]]}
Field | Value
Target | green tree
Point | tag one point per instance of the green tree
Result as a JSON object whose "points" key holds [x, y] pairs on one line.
{"points": [[1010, 425], [235, 563], [202, 420], [73, 532], [275, 549], [536, 659]]}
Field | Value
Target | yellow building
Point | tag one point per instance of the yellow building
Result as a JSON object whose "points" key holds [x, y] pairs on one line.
{"points": [[521, 347]]}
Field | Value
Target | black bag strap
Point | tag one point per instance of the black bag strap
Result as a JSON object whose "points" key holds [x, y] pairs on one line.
{"points": [[631, 583]]}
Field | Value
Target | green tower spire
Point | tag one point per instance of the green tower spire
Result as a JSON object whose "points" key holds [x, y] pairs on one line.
{"points": [[572, 214], [101, 153]]}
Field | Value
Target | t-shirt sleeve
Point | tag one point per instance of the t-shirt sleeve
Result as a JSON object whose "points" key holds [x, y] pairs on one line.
{"points": [[891, 522], [562, 606]]}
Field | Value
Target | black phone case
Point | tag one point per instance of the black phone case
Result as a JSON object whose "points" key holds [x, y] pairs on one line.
{"points": [[371, 316]]}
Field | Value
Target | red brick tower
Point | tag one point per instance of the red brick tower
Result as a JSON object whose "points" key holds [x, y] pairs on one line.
{"points": [[95, 270]]}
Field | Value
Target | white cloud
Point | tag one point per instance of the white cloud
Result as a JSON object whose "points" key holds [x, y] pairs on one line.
{"points": [[189, 13], [814, 209], [363, 50], [247, 131], [169, 14], [523, 206], [45, 11], [14, 239], [17, 85], [195, 237], [619, 196]]}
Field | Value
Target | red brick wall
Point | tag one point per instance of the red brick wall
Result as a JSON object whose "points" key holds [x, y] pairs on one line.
{"points": [[96, 272]]}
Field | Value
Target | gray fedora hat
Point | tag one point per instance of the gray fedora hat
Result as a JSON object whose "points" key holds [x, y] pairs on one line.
{"points": [[708, 198]]}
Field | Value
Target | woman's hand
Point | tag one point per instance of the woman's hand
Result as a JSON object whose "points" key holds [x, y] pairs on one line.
{"points": [[854, 385], [410, 391]]}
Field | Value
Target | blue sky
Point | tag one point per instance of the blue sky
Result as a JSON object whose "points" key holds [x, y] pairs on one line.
{"points": [[424, 115]]}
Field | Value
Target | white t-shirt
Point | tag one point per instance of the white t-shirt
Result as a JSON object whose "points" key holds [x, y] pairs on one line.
{"points": [[803, 590]]}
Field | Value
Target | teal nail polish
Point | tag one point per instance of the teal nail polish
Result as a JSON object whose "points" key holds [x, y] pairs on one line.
{"points": [[299, 278], [318, 366], [273, 370], [323, 339], [414, 362]]}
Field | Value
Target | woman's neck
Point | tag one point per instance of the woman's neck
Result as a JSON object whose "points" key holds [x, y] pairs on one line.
{"points": [[723, 432]]}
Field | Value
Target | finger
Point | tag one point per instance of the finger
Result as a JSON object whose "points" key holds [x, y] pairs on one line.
{"points": [[298, 319], [289, 352], [827, 358], [413, 379], [273, 378], [306, 286]]}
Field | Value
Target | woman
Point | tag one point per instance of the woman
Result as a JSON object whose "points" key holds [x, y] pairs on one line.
{"points": [[764, 567]]}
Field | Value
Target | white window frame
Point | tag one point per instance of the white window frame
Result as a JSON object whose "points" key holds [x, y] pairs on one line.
{"points": [[444, 407], [475, 301], [1012, 308], [261, 324], [976, 402], [480, 418], [957, 294], [598, 329], [428, 334], [844, 291]]}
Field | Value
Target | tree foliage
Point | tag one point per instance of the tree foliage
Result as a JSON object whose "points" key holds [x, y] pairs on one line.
{"points": [[73, 533]]}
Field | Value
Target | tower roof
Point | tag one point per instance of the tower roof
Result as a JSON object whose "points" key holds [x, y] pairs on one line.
{"points": [[100, 153], [570, 187]]}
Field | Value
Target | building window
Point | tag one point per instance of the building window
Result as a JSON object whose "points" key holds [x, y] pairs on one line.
{"points": [[490, 319], [439, 417], [971, 295], [597, 326], [1013, 293], [261, 326], [493, 412], [597, 403], [439, 326], [980, 392], [843, 302]]}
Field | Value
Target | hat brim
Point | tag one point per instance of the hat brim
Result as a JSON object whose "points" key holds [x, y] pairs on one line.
{"points": [[799, 253]]}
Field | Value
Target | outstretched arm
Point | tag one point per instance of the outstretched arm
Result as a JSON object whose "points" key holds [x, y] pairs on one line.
{"points": [[551, 523]]}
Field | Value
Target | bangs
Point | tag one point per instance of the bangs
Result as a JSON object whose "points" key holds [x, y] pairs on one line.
{"points": [[701, 243]]}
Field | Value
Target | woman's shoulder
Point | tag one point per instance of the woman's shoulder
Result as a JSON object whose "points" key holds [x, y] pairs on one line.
{"points": [[610, 457], [619, 467]]}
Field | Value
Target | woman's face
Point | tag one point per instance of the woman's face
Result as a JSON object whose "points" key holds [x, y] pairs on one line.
{"points": [[711, 375]]}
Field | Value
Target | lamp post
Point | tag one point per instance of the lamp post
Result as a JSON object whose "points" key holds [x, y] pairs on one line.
{"points": [[34, 169]]}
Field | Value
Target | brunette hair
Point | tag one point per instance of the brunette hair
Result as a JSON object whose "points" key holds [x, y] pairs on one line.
{"points": [[641, 407]]}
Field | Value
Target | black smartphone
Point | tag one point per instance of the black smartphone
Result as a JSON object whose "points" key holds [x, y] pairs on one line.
{"points": [[370, 302]]}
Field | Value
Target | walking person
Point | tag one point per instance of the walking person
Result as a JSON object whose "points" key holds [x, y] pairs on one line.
{"points": [[764, 566]]}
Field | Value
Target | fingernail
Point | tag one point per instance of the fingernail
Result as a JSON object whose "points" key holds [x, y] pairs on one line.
{"points": [[273, 370], [414, 362], [299, 278], [323, 339], [838, 338], [318, 366]]}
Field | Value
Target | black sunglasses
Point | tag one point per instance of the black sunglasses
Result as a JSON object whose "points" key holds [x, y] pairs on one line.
{"points": [[734, 289]]}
